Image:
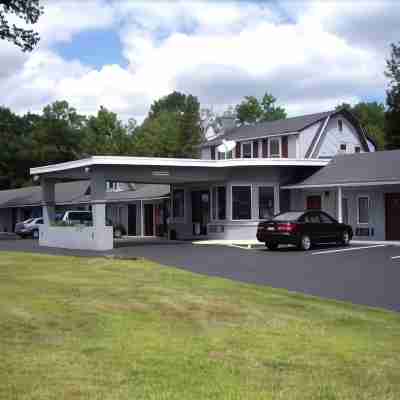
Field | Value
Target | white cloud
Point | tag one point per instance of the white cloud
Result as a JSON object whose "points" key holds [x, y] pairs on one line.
{"points": [[219, 51]]}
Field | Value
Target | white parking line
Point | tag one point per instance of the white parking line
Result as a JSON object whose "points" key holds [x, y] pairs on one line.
{"points": [[395, 257], [347, 249]]}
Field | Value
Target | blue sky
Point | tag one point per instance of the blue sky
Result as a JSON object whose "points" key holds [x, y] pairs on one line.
{"points": [[311, 55]]}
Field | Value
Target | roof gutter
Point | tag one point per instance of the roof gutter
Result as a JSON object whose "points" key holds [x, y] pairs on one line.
{"points": [[342, 184]]}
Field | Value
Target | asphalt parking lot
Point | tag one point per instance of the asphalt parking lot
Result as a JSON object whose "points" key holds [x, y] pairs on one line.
{"points": [[361, 274]]}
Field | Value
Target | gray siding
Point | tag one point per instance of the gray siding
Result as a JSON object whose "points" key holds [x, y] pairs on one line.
{"points": [[305, 138], [329, 204]]}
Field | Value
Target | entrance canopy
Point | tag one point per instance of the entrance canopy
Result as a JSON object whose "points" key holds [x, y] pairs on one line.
{"points": [[159, 170]]}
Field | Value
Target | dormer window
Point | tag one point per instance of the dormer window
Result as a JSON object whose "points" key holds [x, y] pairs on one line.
{"points": [[275, 147], [247, 150], [340, 125]]}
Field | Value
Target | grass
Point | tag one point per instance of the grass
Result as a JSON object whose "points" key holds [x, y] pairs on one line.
{"points": [[81, 328]]}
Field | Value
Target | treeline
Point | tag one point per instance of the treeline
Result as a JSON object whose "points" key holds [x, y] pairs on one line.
{"points": [[60, 133]]}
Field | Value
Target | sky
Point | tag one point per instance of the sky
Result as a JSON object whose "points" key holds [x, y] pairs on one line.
{"points": [[123, 55]]}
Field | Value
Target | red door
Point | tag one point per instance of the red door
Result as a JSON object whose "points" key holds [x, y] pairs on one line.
{"points": [[313, 202], [392, 208]]}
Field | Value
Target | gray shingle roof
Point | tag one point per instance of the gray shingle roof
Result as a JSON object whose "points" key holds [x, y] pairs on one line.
{"points": [[75, 193], [263, 129], [380, 166]]}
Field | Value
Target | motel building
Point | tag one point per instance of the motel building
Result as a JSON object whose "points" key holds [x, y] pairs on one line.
{"points": [[319, 161]]}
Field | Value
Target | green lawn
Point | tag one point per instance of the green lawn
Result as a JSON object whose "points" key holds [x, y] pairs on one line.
{"points": [[80, 328]]}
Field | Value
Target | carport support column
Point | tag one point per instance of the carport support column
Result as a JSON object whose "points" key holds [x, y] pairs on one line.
{"points": [[98, 201], [340, 204], [48, 201]]}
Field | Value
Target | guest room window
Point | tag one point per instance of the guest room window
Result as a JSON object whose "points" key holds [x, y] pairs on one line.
{"points": [[178, 203], [363, 210], [275, 147], [214, 202], [241, 202], [266, 202], [221, 195], [246, 150]]}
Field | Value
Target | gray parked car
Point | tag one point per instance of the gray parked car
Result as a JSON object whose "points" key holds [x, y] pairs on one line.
{"points": [[29, 228]]}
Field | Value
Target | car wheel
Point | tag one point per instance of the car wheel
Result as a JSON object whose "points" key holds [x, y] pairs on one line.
{"points": [[305, 243], [271, 245], [345, 240], [35, 234]]}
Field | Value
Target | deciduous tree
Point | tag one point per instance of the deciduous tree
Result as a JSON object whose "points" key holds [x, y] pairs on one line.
{"points": [[29, 11]]}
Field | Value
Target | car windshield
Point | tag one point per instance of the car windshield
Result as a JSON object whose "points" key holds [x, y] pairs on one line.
{"points": [[80, 216], [288, 216], [28, 221]]}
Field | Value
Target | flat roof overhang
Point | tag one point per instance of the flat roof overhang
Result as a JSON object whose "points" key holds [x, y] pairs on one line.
{"points": [[343, 185], [162, 170]]}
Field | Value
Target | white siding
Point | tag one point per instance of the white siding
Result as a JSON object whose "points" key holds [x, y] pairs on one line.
{"points": [[333, 138], [292, 146]]}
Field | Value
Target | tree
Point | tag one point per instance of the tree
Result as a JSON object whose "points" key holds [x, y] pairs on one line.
{"points": [[183, 115], [106, 134], [270, 111], [57, 137], [372, 117], [392, 123], [29, 11], [159, 136], [251, 110]]}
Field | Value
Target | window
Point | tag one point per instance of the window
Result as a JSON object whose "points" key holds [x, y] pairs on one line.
{"points": [[212, 152], [241, 202], [363, 210], [246, 150], [255, 149], [343, 147], [221, 192], [326, 219], [214, 202], [265, 202], [178, 199], [340, 125], [275, 147], [218, 194], [357, 149]]}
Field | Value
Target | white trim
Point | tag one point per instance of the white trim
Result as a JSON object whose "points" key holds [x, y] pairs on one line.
{"points": [[340, 204], [173, 162], [280, 147], [319, 136], [350, 184], [251, 201], [360, 196]]}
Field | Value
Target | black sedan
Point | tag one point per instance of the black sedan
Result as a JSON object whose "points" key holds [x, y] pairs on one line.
{"points": [[303, 229]]}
